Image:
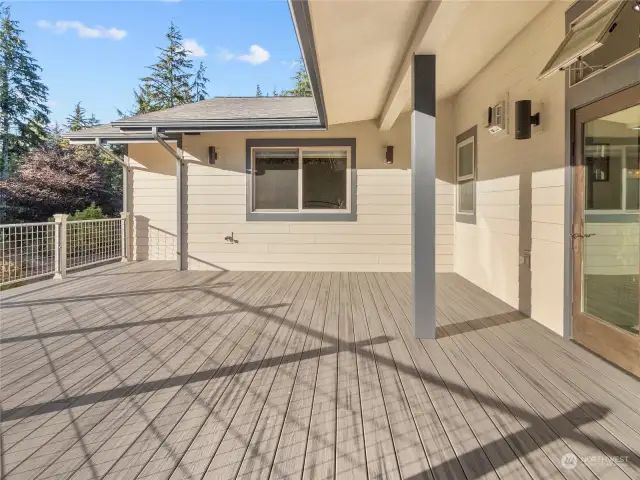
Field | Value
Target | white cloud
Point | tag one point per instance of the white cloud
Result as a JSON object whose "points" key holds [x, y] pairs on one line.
{"points": [[193, 48], [52, 103], [62, 26], [224, 54], [257, 55], [290, 64]]}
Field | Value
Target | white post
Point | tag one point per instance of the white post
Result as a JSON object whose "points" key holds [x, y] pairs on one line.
{"points": [[125, 230], [60, 259]]}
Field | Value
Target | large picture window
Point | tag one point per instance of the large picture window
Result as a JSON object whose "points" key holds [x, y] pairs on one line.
{"points": [[466, 176], [300, 182]]}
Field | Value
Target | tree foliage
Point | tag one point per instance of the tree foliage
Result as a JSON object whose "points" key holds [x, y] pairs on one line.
{"points": [[199, 84], [24, 115], [302, 84], [78, 119], [171, 81], [258, 91], [60, 178]]}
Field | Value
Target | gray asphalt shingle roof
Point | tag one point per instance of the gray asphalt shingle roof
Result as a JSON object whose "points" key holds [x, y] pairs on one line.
{"points": [[213, 113], [230, 108]]}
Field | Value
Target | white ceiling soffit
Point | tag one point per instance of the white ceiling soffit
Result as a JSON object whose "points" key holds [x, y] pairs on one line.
{"points": [[588, 32], [364, 48], [465, 36], [359, 45]]}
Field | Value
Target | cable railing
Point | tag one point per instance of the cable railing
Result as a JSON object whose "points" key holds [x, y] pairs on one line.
{"points": [[35, 250]]}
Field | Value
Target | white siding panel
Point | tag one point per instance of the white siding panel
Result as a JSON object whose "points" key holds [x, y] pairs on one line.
{"points": [[520, 189], [154, 200]]}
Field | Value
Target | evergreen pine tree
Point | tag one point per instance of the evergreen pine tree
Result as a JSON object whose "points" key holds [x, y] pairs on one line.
{"points": [[303, 85], [78, 120], [258, 91], [23, 110], [199, 84], [169, 83]]}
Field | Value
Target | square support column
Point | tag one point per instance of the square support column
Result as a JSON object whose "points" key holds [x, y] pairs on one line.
{"points": [[423, 195]]}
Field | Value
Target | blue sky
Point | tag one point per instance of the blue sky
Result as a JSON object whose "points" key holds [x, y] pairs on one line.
{"points": [[96, 52]]}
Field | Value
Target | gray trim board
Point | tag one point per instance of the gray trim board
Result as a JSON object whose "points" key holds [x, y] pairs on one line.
{"points": [[302, 23], [423, 198], [351, 216], [469, 218]]}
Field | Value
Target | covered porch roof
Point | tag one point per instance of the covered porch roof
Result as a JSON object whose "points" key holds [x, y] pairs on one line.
{"points": [[363, 50]]}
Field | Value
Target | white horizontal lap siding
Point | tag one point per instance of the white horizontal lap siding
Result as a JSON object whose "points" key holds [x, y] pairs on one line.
{"points": [[520, 185], [380, 239], [154, 201]]}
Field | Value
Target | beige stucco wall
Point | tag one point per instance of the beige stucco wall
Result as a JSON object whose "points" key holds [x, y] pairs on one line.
{"points": [[215, 206], [520, 189]]}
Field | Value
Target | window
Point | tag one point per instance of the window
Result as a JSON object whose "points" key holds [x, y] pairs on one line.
{"points": [[602, 36], [466, 176], [300, 182]]}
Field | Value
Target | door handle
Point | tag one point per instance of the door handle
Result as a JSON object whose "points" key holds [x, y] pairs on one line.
{"points": [[582, 235]]}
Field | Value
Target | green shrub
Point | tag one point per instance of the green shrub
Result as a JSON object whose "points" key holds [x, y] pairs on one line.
{"points": [[90, 213]]}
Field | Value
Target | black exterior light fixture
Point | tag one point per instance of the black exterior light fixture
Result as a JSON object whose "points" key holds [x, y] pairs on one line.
{"points": [[213, 155], [524, 119], [388, 156], [636, 6]]}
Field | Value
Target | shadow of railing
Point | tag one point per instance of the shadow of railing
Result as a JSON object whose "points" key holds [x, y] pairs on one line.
{"points": [[557, 424]]}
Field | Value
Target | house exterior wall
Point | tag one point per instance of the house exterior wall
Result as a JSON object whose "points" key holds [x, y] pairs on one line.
{"points": [[520, 183], [215, 206], [154, 200]]}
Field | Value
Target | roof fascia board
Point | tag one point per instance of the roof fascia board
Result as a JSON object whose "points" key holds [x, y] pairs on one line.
{"points": [[248, 123], [301, 17], [393, 104]]}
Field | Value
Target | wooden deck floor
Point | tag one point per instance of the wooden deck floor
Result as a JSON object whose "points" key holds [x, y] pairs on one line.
{"points": [[138, 371]]}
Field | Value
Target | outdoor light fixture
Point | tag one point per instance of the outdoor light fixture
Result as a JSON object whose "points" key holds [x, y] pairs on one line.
{"points": [[524, 119], [636, 7], [389, 154], [213, 155]]}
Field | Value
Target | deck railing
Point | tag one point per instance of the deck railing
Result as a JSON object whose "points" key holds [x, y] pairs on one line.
{"points": [[35, 250]]}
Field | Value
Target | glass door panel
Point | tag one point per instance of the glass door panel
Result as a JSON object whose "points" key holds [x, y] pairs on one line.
{"points": [[611, 245], [606, 229]]}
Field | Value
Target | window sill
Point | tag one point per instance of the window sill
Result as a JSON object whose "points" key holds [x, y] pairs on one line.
{"points": [[301, 217], [469, 218]]}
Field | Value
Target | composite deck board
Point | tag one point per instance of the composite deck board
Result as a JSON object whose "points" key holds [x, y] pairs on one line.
{"points": [[138, 371]]}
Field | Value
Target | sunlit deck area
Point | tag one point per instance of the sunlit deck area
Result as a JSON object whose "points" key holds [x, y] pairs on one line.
{"points": [[138, 371]]}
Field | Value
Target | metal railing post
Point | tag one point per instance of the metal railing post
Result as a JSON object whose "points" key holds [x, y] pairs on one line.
{"points": [[60, 259], [125, 231]]}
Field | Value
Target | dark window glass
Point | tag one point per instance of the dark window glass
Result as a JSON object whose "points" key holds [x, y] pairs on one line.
{"points": [[324, 180], [276, 180]]}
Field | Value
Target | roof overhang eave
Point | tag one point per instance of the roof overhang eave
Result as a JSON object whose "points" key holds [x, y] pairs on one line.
{"points": [[114, 140], [205, 125]]}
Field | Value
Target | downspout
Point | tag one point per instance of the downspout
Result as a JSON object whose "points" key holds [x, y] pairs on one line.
{"points": [[177, 154]]}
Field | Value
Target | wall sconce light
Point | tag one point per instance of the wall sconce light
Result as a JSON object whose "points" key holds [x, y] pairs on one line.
{"points": [[636, 7], [389, 154], [524, 119], [213, 155]]}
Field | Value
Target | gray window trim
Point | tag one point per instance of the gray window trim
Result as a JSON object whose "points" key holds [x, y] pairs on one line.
{"points": [[351, 216], [472, 132]]}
